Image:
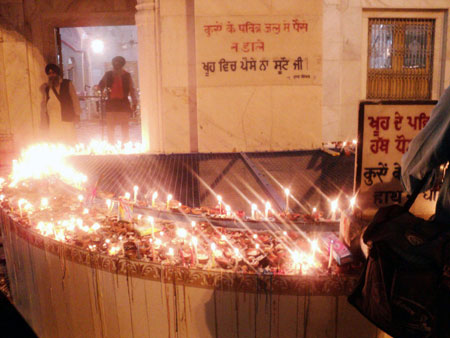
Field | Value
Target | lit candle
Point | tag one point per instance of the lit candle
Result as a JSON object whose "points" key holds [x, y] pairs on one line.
{"points": [[127, 195], [80, 198], [352, 203], [21, 201], [314, 247], [109, 205], [254, 208], [236, 254], [228, 210], [213, 254], [170, 253], [193, 224], [296, 260], [268, 207], [194, 243], [44, 203], [287, 192], [334, 207], [154, 197], [169, 198], [330, 258], [135, 189], [219, 199], [152, 223], [182, 233]]}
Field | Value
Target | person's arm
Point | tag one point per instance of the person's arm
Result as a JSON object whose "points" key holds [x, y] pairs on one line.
{"points": [[102, 84], [75, 100], [430, 148]]}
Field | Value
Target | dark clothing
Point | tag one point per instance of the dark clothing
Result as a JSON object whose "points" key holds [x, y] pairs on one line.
{"points": [[427, 151], [113, 104], [65, 100]]}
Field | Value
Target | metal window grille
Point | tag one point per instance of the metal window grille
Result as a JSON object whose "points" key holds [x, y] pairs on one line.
{"points": [[400, 58]]}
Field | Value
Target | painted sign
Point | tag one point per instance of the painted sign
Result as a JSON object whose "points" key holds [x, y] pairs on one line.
{"points": [[385, 131]]}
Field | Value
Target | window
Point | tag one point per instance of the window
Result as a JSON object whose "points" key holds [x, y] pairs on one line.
{"points": [[400, 58]]}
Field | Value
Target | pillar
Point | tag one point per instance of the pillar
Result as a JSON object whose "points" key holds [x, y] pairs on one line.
{"points": [[149, 60]]}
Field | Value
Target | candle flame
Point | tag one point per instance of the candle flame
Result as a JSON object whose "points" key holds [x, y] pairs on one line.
{"points": [[334, 205], [182, 233]]}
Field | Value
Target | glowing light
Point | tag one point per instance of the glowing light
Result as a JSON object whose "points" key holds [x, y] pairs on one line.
{"points": [[193, 224], [255, 236], [44, 202], [97, 46], [257, 245], [154, 197], [127, 195], [135, 190], [268, 207], [96, 226], [80, 198], [353, 202], [236, 252], [114, 250], [194, 241], [287, 192], [85, 211], [254, 209], [182, 233], [355, 141], [334, 207], [228, 210], [170, 252], [169, 198], [213, 247]]}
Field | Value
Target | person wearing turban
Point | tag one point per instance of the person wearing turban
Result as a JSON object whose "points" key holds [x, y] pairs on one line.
{"points": [[61, 107]]}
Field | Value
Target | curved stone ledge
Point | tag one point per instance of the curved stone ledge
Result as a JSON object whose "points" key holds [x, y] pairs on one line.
{"points": [[65, 291]]}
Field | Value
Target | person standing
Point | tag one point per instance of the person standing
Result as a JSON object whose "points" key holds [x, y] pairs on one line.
{"points": [[119, 86], [61, 107]]}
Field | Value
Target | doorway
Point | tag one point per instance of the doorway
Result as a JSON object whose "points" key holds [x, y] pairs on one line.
{"points": [[84, 55]]}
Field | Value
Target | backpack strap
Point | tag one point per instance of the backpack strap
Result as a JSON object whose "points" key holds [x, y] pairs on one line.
{"points": [[412, 198]]}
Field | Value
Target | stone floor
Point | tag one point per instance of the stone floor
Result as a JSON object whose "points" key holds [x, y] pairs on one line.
{"points": [[88, 130]]}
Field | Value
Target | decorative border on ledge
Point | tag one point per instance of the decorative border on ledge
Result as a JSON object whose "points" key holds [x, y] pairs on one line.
{"points": [[324, 285]]}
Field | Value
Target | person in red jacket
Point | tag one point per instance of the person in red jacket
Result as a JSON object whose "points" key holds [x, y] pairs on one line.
{"points": [[119, 86]]}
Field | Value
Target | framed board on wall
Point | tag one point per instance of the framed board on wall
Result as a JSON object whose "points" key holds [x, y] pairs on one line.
{"points": [[385, 129]]}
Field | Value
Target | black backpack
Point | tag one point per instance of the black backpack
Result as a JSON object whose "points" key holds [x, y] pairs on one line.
{"points": [[404, 288]]}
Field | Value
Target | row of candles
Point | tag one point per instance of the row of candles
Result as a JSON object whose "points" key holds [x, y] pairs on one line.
{"points": [[64, 230], [255, 213]]}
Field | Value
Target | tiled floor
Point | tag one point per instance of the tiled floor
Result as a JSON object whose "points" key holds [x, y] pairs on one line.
{"points": [[93, 129]]}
